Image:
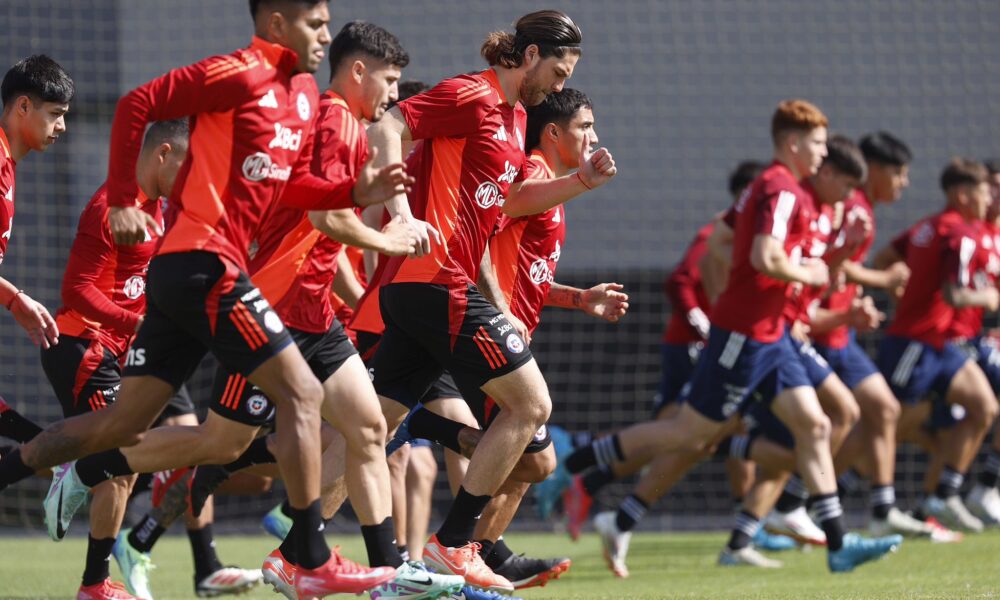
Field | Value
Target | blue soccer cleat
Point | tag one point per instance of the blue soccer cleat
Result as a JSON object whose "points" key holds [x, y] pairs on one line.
{"points": [[277, 523], [470, 593], [772, 542], [548, 492], [858, 550], [403, 435]]}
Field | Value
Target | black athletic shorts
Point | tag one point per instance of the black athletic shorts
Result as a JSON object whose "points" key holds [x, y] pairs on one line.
{"points": [[443, 387], [198, 302], [85, 375], [485, 409], [429, 329], [236, 399]]}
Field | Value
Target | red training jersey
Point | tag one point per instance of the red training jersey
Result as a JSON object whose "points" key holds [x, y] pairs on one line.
{"points": [[968, 321], [295, 264], [526, 251], [7, 168], [104, 288], [774, 205], [252, 119], [685, 291], [941, 249], [473, 151], [857, 208], [803, 300]]}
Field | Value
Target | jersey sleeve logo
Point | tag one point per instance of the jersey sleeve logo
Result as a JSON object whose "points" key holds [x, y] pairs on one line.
{"points": [[302, 104]]}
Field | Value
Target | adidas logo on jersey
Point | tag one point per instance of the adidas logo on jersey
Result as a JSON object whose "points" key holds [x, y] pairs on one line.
{"points": [[501, 134], [556, 218], [269, 100]]}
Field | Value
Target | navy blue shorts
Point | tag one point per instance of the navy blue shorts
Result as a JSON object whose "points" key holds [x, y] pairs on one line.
{"points": [[851, 363], [733, 366], [761, 422], [913, 369], [817, 369], [678, 362], [985, 351]]}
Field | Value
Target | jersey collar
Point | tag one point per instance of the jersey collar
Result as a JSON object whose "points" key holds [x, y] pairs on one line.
{"points": [[276, 55], [5, 145], [491, 77], [335, 99]]}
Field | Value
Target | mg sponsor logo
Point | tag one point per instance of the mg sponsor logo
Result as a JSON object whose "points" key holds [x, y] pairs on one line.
{"points": [[285, 138], [488, 194], [540, 272], [134, 287], [258, 167]]}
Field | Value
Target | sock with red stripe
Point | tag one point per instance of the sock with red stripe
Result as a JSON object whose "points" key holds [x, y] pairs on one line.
{"points": [[427, 425], [206, 561], [102, 466], [15, 426], [460, 524]]}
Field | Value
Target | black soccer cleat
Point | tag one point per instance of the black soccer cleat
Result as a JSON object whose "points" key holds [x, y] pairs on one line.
{"points": [[525, 572]]}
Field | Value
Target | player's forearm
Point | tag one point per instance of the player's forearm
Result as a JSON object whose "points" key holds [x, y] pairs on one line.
{"points": [[7, 291], [963, 297], [771, 260], [886, 257], [564, 296], [827, 320], [87, 300], [720, 243], [345, 284], [489, 285], [387, 137], [861, 275], [534, 196], [344, 226]]}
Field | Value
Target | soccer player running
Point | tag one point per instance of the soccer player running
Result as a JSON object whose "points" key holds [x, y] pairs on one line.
{"points": [[918, 355], [472, 169], [253, 113], [36, 93], [748, 346]]}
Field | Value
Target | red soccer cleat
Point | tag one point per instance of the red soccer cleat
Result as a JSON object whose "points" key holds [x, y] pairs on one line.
{"points": [[465, 562], [105, 590], [280, 574], [340, 576], [576, 503]]}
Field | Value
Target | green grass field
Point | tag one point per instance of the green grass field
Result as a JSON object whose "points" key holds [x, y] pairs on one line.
{"points": [[662, 566]]}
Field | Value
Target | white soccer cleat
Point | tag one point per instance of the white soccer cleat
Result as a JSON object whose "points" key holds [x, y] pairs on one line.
{"points": [[952, 513], [747, 557], [796, 525], [228, 580], [66, 495], [899, 522], [984, 503], [615, 542], [134, 565]]}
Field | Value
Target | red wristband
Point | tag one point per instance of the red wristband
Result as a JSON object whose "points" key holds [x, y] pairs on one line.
{"points": [[580, 177], [14, 297]]}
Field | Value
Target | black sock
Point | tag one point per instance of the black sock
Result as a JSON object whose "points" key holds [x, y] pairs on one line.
{"points": [[630, 511], [98, 560], [595, 479], [310, 545], [831, 519], [404, 552], [501, 552], [794, 495], [13, 469], [255, 454], [948, 483], [16, 427], [460, 523], [882, 499], [144, 535], [604, 451], [286, 508], [102, 466], [206, 561], [848, 482], [380, 541], [289, 544], [746, 527], [485, 548], [991, 470], [428, 425]]}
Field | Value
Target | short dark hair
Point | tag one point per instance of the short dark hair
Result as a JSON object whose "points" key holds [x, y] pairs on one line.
{"points": [[963, 171], [40, 78], [257, 5], [552, 31], [360, 37], [845, 156], [409, 89], [884, 148], [165, 131], [558, 107], [743, 175], [992, 165]]}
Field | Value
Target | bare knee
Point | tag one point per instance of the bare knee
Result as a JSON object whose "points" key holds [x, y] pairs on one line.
{"points": [[537, 466], [813, 428], [885, 411]]}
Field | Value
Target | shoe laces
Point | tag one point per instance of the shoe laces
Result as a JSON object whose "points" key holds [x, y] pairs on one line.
{"points": [[345, 564]]}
